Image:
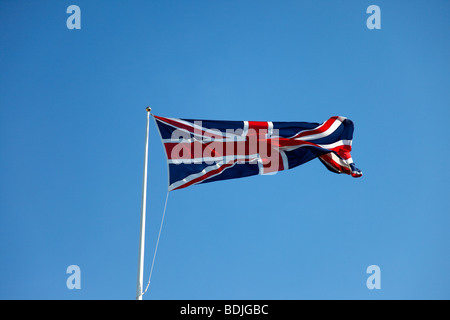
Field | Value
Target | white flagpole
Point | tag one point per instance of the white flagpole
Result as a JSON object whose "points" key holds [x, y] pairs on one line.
{"points": [[140, 276]]}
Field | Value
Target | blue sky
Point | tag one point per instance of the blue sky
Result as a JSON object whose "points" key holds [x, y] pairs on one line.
{"points": [[72, 129]]}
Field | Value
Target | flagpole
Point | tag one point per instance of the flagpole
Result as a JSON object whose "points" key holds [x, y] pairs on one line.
{"points": [[140, 275]]}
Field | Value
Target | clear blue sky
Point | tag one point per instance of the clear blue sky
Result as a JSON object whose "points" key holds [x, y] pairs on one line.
{"points": [[72, 129]]}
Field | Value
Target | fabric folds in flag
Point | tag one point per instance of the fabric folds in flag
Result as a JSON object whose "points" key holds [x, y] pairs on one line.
{"points": [[201, 151]]}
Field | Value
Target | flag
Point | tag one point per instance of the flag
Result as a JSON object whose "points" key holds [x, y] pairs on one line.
{"points": [[200, 151]]}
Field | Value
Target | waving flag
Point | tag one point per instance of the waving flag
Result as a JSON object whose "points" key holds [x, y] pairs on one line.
{"points": [[200, 151]]}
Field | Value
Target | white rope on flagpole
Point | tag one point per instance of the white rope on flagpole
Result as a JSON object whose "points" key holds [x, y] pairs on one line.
{"points": [[157, 243]]}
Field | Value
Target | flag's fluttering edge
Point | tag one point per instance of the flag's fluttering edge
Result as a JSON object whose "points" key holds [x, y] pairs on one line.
{"points": [[200, 151]]}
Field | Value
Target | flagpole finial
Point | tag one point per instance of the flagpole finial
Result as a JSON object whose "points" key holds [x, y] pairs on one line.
{"points": [[148, 109]]}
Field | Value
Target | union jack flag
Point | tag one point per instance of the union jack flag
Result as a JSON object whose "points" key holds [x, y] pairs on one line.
{"points": [[200, 151]]}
